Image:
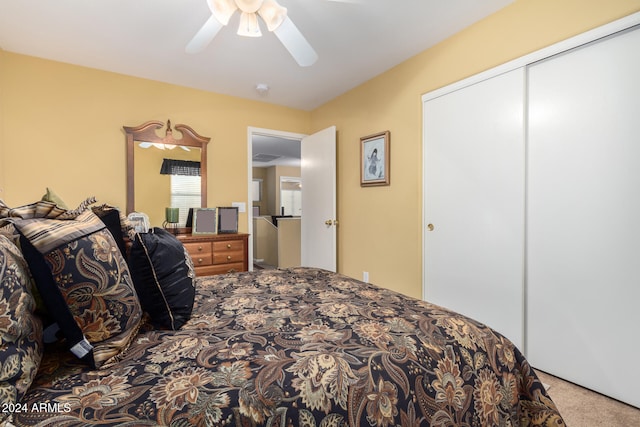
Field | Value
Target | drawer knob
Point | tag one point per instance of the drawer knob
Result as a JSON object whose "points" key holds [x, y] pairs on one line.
{"points": [[199, 260], [228, 257], [200, 248], [228, 245]]}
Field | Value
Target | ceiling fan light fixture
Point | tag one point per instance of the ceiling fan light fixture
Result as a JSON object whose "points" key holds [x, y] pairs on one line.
{"points": [[273, 14], [249, 6], [223, 10], [249, 26]]}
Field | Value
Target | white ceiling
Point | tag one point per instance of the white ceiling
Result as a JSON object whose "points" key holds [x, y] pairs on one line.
{"points": [[355, 41], [272, 150]]}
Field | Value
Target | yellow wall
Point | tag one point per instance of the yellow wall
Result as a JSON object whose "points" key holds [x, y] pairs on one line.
{"points": [[380, 227], [61, 126], [63, 129]]}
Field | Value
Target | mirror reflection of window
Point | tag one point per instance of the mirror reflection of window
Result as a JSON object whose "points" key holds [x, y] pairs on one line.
{"points": [[291, 196], [185, 194]]}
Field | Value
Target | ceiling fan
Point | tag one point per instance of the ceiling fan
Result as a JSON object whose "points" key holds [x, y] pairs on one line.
{"points": [[271, 13]]}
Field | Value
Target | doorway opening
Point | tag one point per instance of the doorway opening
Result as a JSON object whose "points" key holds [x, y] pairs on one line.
{"points": [[274, 186]]}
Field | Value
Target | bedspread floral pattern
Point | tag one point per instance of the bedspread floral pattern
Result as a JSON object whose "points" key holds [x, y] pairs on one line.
{"points": [[303, 347]]}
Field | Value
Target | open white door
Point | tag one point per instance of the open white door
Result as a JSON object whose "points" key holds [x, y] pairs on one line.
{"points": [[318, 224]]}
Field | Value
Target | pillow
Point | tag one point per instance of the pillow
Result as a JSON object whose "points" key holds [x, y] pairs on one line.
{"points": [[20, 331], [85, 283], [41, 209], [117, 224], [163, 275], [51, 196]]}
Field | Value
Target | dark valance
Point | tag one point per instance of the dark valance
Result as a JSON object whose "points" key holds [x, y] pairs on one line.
{"points": [[180, 167]]}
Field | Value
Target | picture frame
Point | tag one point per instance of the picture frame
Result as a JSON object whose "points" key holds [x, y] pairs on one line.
{"points": [[227, 220], [205, 221], [189, 223], [374, 159], [139, 221]]}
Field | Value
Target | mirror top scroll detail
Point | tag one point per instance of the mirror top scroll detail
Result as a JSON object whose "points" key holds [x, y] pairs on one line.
{"points": [[165, 170]]}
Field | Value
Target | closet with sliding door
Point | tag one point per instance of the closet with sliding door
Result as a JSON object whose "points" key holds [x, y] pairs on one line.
{"points": [[532, 205]]}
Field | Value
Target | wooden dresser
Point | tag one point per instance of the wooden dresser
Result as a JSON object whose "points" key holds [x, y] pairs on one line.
{"points": [[217, 253]]}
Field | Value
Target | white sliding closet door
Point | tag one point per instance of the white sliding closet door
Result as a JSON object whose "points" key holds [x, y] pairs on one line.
{"points": [[474, 198], [583, 215]]}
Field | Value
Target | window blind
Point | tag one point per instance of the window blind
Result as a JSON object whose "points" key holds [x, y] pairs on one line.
{"points": [[185, 194]]}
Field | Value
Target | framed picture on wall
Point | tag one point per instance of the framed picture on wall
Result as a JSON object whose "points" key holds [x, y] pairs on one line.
{"points": [[374, 159], [205, 221]]}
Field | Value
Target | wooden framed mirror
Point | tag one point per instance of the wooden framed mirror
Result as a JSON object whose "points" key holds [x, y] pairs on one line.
{"points": [[145, 137]]}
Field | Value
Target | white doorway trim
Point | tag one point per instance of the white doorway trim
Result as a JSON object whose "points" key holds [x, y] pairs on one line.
{"points": [[251, 132]]}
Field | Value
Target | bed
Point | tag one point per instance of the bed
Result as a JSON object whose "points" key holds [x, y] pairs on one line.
{"points": [[299, 347]]}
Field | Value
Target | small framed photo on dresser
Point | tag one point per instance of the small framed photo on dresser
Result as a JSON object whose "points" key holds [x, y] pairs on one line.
{"points": [[205, 221], [227, 220]]}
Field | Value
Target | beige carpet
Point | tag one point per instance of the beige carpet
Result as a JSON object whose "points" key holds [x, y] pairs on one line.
{"points": [[584, 408]]}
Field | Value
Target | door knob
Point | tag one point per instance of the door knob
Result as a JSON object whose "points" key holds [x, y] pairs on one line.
{"points": [[430, 227], [328, 222]]}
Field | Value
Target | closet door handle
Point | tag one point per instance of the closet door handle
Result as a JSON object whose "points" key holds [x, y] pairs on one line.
{"points": [[430, 227]]}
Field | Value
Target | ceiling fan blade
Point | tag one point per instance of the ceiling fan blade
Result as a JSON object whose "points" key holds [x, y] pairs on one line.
{"points": [[295, 43], [204, 35]]}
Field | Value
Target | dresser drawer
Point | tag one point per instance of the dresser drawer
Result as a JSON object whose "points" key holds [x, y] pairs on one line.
{"points": [[227, 252], [228, 246], [200, 253], [228, 257], [210, 270]]}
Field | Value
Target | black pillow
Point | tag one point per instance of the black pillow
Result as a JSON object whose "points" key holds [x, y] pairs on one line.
{"points": [[163, 276]]}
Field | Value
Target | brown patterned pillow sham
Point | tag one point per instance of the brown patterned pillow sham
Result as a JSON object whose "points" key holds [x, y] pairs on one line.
{"points": [[85, 283], [20, 330]]}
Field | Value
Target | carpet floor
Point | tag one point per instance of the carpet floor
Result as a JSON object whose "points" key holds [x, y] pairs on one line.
{"points": [[581, 407]]}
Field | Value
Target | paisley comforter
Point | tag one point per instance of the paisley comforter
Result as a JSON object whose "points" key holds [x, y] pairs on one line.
{"points": [[299, 347]]}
